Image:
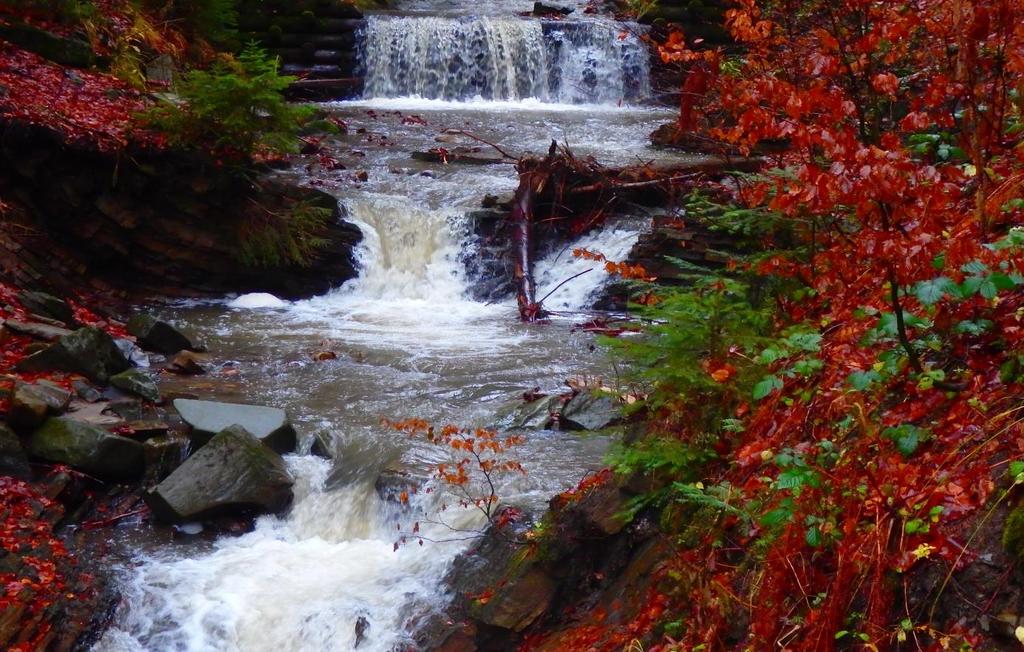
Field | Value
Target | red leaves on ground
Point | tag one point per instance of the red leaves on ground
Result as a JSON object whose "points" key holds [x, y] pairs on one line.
{"points": [[85, 107]]}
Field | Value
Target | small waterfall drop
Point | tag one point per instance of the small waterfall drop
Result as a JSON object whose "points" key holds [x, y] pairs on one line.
{"points": [[504, 59]]}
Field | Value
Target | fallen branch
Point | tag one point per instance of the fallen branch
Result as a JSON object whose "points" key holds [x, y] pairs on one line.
{"points": [[481, 140]]}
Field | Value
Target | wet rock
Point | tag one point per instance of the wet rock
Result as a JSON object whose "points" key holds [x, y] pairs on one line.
{"points": [[323, 445], [544, 9], [85, 391], [137, 382], [590, 411], [234, 473], [362, 625], [598, 512], [13, 461], [518, 600], [535, 415], [132, 352], [66, 51], [47, 305], [87, 448], [513, 578], [156, 335], [38, 330], [90, 352], [31, 404], [392, 483], [206, 418], [185, 363], [163, 454]]}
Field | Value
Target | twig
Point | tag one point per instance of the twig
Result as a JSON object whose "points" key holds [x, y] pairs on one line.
{"points": [[574, 276], [481, 140]]}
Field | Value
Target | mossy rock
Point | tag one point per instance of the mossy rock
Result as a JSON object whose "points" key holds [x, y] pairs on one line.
{"points": [[63, 50]]}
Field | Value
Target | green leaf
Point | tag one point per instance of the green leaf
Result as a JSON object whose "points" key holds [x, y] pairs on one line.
{"points": [[766, 386], [907, 437], [808, 367], [805, 341], [778, 516], [973, 327], [975, 267], [861, 380], [931, 291], [813, 537]]}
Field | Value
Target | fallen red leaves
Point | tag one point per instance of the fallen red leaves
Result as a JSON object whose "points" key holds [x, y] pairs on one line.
{"points": [[86, 108]]}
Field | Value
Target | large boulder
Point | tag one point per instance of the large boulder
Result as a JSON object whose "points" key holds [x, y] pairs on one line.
{"points": [[89, 351], [535, 415], [13, 461], [590, 411], [267, 424], [31, 403], [137, 382], [87, 448], [156, 335], [234, 473]]}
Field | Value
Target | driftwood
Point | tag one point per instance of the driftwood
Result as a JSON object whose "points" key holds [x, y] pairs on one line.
{"points": [[566, 196], [522, 241]]}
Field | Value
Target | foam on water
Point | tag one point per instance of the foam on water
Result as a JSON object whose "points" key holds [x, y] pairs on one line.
{"points": [[614, 241], [568, 62], [297, 583], [255, 300]]}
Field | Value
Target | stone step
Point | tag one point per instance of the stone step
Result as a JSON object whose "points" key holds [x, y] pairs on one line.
{"points": [[303, 55], [342, 41], [318, 71]]}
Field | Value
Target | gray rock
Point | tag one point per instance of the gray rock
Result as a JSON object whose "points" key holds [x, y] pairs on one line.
{"points": [[132, 352], [163, 455], [137, 382], [157, 335], [207, 418], [32, 403], [234, 473], [37, 330], [86, 392], [535, 415], [13, 461], [88, 448], [90, 352], [47, 305], [185, 363], [323, 445], [590, 411]]}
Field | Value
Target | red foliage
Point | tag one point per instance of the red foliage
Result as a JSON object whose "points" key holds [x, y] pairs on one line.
{"points": [[85, 107], [894, 136]]}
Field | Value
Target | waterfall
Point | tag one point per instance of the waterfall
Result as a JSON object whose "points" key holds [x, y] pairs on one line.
{"points": [[461, 58]]}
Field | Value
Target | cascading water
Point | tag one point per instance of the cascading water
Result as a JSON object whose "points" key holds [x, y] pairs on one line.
{"points": [[409, 343], [592, 61]]}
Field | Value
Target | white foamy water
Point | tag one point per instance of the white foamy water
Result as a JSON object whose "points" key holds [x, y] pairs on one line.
{"points": [[504, 58], [408, 343], [612, 241], [297, 583], [255, 300]]}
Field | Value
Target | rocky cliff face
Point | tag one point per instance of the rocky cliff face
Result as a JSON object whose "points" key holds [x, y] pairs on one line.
{"points": [[144, 223]]}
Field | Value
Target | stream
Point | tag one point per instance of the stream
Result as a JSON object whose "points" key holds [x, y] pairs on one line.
{"points": [[409, 341]]}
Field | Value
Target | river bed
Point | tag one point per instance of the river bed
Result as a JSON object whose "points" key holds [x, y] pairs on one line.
{"points": [[409, 344]]}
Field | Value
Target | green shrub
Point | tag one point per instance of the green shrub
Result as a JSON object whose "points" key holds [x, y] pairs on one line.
{"points": [[236, 108]]}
